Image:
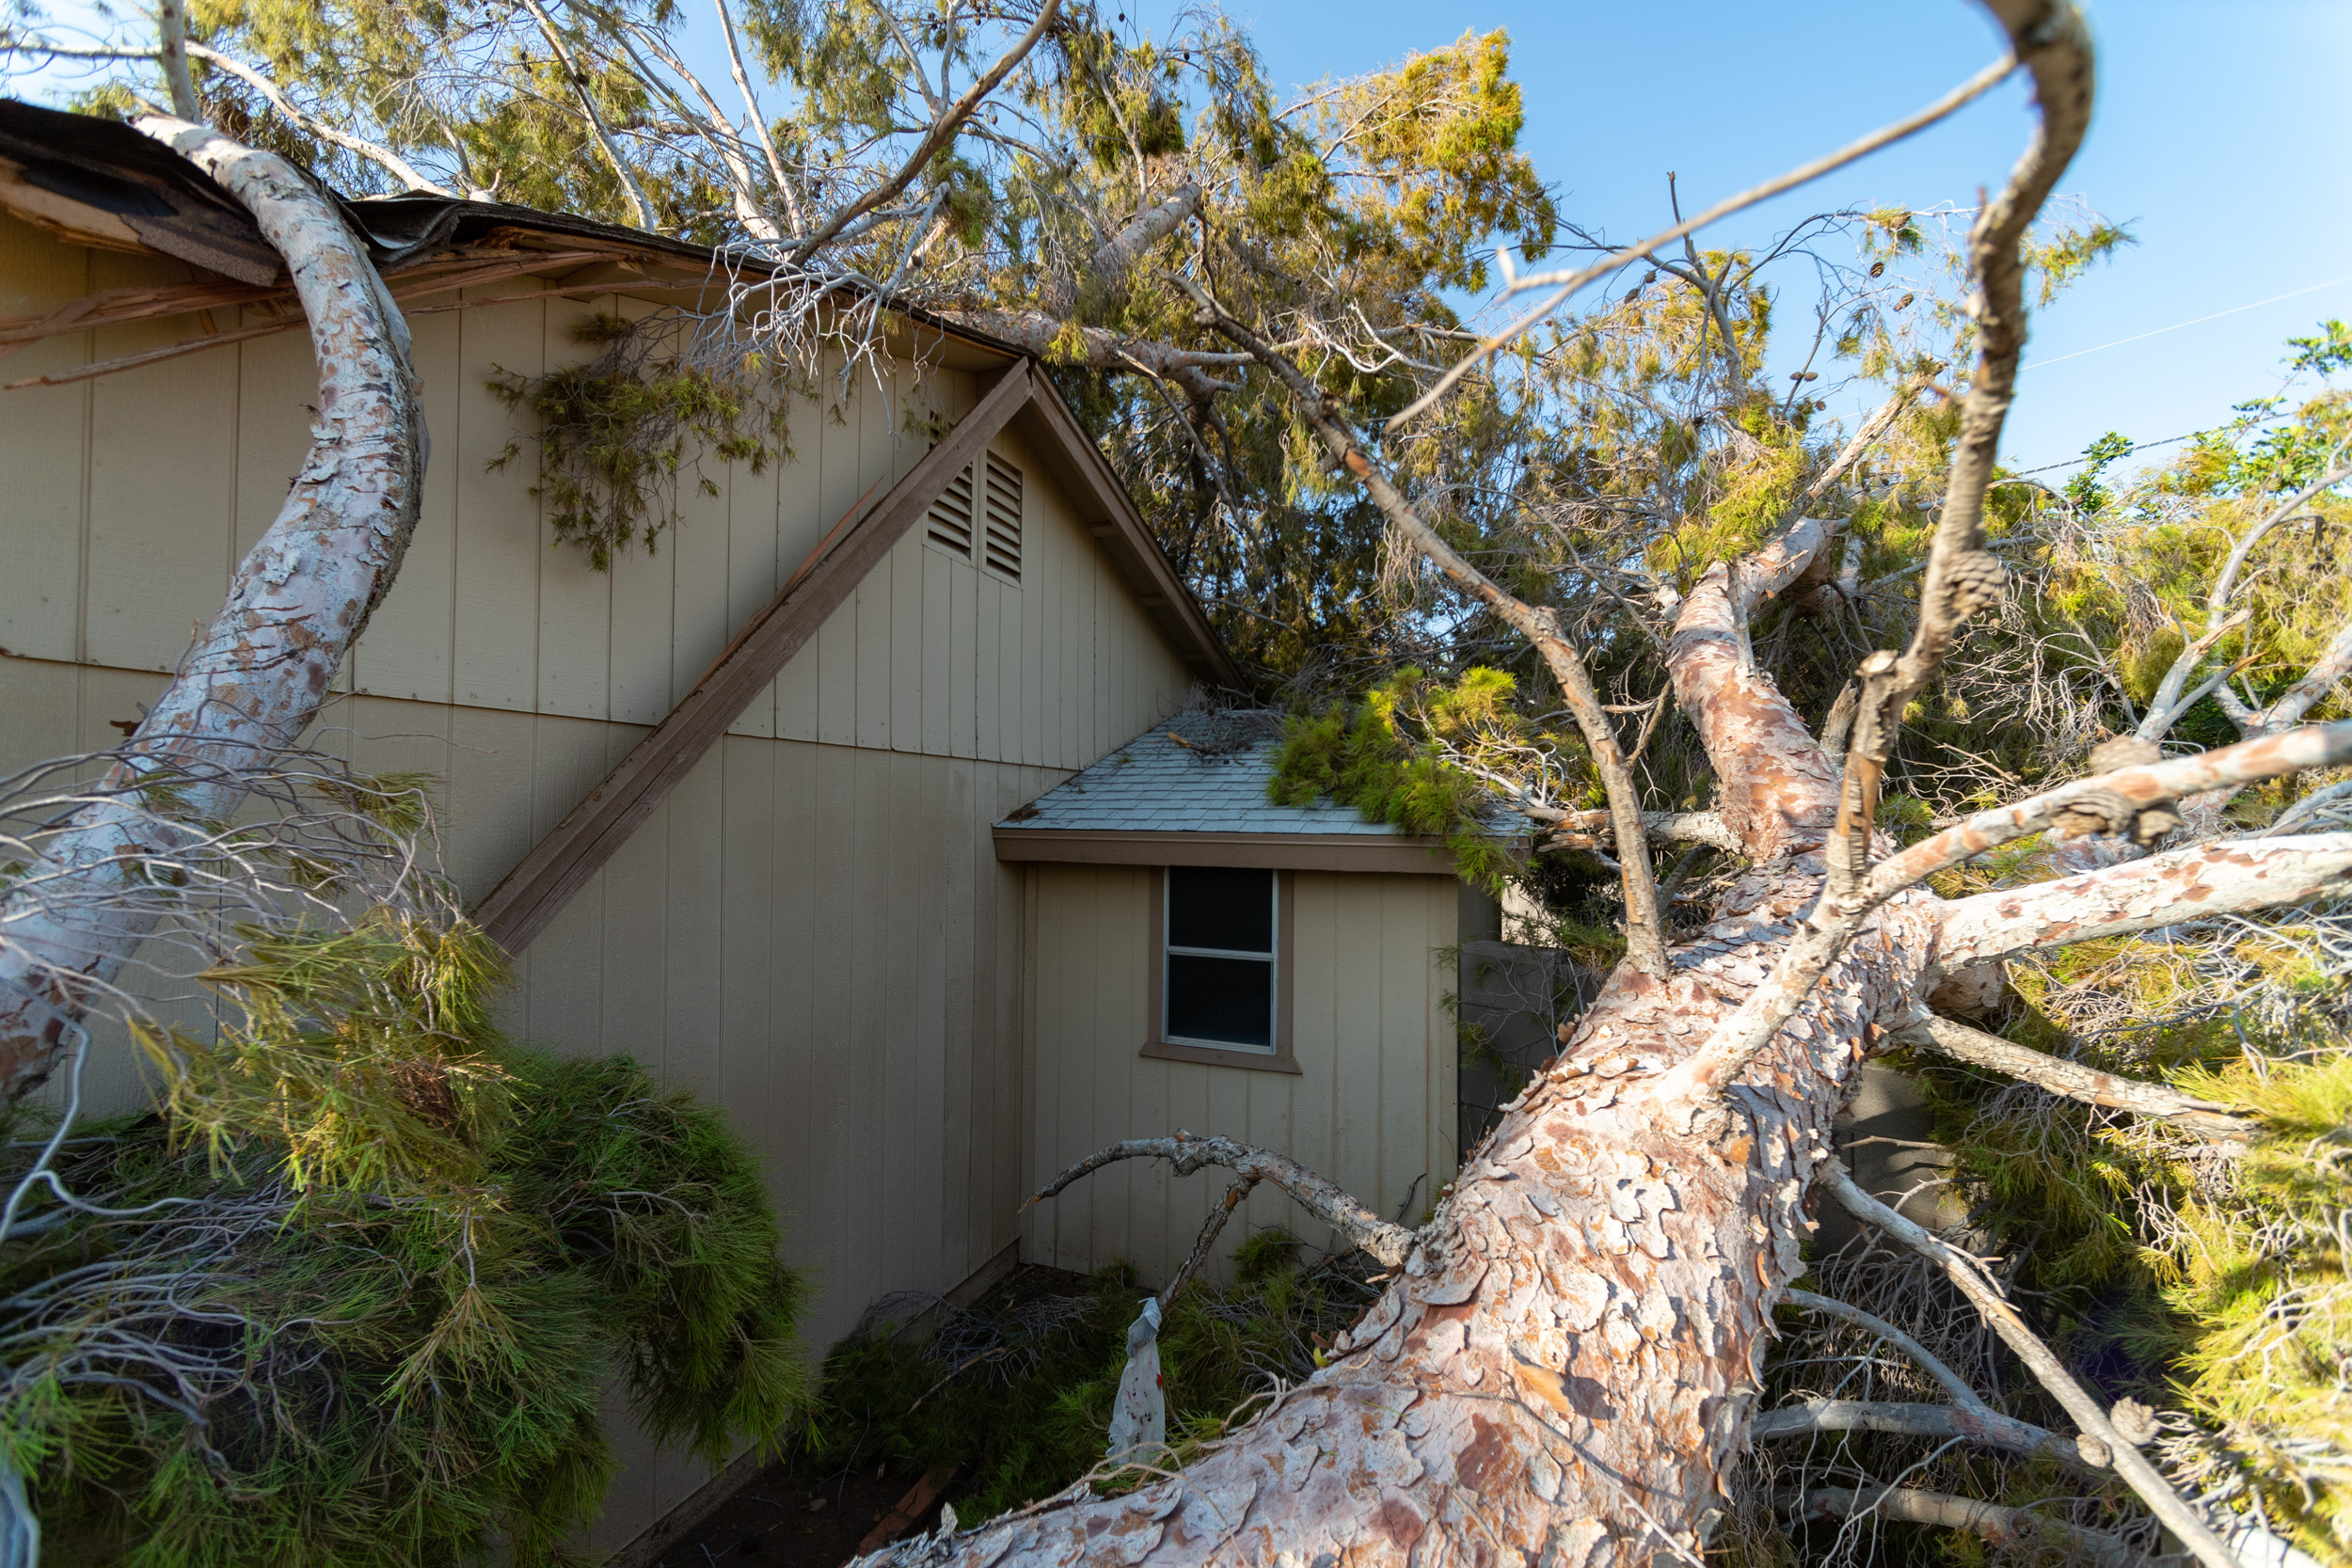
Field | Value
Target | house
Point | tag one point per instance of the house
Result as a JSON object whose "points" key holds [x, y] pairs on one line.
{"points": [[1202, 957], [834, 809]]}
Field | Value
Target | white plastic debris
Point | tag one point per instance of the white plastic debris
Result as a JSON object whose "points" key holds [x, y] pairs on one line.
{"points": [[1140, 1415]]}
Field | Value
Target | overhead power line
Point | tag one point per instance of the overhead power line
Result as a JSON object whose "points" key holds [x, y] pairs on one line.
{"points": [[2291, 293]]}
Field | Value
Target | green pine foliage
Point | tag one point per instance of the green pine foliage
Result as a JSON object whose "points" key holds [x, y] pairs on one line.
{"points": [[1368, 756], [2216, 1286], [2265, 1277], [614, 433], [406, 1260]]}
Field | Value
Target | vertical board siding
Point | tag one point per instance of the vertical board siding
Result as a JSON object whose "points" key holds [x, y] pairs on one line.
{"points": [[136, 494], [1369, 1027], [46, 434], [818, 938], [162, 486], [813, 930]]}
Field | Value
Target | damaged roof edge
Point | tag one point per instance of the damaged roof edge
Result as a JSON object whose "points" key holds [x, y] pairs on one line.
{"points": [[100, 183]]}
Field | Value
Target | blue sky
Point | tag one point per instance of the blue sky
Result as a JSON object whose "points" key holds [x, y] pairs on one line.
{"points": [[2221, 137]]}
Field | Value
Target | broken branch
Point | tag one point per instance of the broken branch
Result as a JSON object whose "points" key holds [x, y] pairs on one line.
{"points": [[1187, 1152], [1950, 1038], [2144, 1478], [2187, 884]]}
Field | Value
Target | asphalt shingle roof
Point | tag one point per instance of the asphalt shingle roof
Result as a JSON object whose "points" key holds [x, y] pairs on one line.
{"points": [[1198, 772]]}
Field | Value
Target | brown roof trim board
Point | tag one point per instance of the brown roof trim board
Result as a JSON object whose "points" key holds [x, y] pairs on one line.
{"points": [[1398, 853], [521, 907]]}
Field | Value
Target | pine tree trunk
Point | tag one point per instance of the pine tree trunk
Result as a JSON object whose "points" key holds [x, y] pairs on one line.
{"points": [[255, 678], [1563, 1370]]}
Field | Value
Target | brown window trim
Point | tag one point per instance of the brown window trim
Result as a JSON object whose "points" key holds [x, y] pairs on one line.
{"points": [[1279, 1059]]}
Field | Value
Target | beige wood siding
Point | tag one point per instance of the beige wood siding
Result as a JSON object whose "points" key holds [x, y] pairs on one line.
{"points": [[133, 496], [813, 929], [1372, 1107]]}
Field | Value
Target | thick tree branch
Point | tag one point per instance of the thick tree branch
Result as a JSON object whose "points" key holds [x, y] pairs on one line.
{"points": [[1047, 337], [1964, 577], [171, 32], [1776, 790], [254, 680], [1189, 1151], [1965, 1043], [1994, 1431], [942, 132], [1579, 830], [2163, 890], [2003, 1527], [2113, 802], [1120, 252], [2144, 1478], [1644, 928]]}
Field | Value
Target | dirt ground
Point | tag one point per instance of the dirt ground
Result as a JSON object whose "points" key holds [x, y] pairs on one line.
{"points": [[784, 1519]]}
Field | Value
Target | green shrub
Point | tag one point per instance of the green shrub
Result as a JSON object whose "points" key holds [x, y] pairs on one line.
{"points": [[353, 1295]]}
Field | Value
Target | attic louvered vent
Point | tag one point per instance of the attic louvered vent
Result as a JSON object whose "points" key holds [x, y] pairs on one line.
{"points": [[950, 518], [1001, 546]]}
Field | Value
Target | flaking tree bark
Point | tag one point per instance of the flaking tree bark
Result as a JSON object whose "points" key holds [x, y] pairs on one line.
{"points": [[1562, 1371], [254, 680]]}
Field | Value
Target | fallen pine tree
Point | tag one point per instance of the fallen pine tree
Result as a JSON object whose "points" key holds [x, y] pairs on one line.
{"points": [[1564, 1364]]}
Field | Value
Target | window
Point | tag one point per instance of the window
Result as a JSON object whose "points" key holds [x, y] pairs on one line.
{"points": [[1219, 981]]}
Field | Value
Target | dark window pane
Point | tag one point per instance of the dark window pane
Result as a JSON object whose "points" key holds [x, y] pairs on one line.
{"points": [[1220, 999], [1212, 906]]}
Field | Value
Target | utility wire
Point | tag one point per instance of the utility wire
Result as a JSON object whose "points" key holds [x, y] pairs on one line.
{"points": [[2136, 447], [2160, 331]]}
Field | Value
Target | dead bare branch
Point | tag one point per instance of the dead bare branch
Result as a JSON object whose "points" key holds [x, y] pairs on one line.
{"points": [[1953, 1382], [2113, 802], [2003, 1527], [2144, 1478], [1189, 1152], [1963, 1043], [1920, 1421]]}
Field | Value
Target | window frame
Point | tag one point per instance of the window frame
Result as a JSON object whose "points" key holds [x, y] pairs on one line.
{"points": [[1156, 1043]]}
